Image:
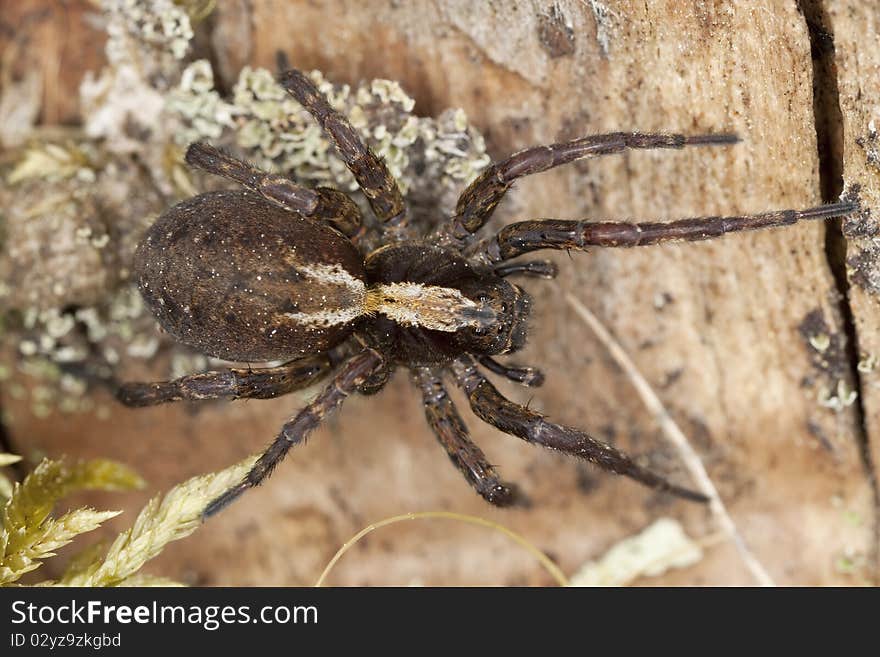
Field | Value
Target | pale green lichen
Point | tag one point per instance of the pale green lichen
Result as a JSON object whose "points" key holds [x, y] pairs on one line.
{"points": [[184, 363], [853, 518], [51, 161], [282, 135], [388, 92], [57, 346], [820, 342], [660, 547], [124, 104], [205, 114], [845, 565], [432, 159], [163, 25], [851, 562], [839, 398], [867, 363]]}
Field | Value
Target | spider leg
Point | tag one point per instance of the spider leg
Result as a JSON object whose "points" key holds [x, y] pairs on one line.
{"points": [[373, 177], [321, 203], [232, 383], [527, 236], [527, 376], [452, 433], [492, 407], [536, 268], [296, 430], [477, 203]]}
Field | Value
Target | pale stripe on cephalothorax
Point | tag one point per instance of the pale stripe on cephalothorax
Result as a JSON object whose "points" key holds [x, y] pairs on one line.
{"points": [[428, 306], [409, 304]]}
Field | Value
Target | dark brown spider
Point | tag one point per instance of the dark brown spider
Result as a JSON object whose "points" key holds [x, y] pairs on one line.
{"points": [[283, 272]]}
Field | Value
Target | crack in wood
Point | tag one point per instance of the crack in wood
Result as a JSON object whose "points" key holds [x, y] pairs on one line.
{"points": [[829, 141]]}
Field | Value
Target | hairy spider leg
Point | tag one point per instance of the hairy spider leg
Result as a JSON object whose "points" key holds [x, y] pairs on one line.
{"points": [[355, 372], [452, 433], [322, 203], [373, 177], [527, 376], [527, 236], [492, 407], [477, 203], [232, 383]]}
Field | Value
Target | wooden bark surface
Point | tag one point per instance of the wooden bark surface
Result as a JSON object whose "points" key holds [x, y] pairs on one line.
{"points": [[856, 29], [722, 330]]}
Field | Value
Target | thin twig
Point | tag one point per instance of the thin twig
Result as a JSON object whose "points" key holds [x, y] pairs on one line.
{"points": [[676, 436], [544, 560]]}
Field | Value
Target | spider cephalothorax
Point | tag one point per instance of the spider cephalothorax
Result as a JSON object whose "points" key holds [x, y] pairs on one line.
{"points": [[283, 272]]}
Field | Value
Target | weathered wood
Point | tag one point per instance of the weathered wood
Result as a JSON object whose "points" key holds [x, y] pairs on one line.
{"points": [[740, 337], [855, 27], [56, 42]]}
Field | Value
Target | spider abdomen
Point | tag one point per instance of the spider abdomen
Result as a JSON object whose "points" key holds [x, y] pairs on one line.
{"points": [[239, 278]]}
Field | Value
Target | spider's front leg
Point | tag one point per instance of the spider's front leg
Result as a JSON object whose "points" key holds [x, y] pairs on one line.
{"points": [[232, 383], [322, 203], [526, 236], [452, 433], [373, 177], [354, 373], [492, 407], [478, 201]]}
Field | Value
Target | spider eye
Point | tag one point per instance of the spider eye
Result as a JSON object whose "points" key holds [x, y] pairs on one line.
{"points": [[504, 307]]}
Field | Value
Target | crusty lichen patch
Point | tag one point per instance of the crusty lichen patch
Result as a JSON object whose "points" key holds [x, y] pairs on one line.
{"points": [[832, 384], [826, 347], [661, 546], [863, 234], [863, 268], [432, 158]]}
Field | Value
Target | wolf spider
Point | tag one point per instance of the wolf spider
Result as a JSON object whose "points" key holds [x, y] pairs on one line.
{"points": [[281, 272]]}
